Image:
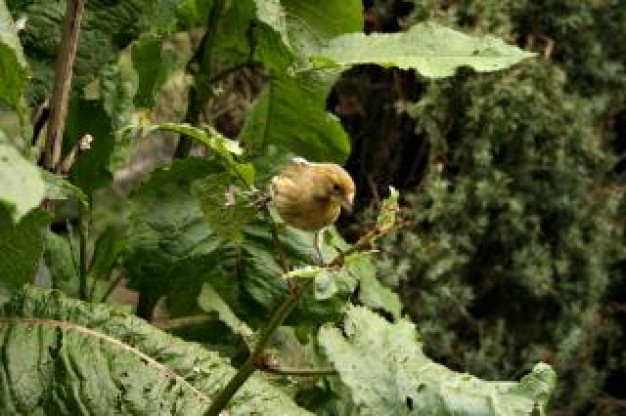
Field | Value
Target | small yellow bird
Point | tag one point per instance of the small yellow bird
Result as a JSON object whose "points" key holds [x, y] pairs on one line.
{"points": [[309, 196]]}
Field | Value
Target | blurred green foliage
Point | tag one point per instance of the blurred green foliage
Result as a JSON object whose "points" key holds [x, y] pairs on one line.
{"points": [[516, 237]]}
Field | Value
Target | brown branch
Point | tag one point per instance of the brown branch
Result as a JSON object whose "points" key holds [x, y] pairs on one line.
{"points": [[62, 83]]}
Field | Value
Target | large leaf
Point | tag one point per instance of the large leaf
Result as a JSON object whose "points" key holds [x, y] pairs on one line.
{"points": [[434, 51], [251, 31], [21, 246], [21, 185], [169, 243], [387, 372], [291, 116], [312, 25], [154, 64], [61, 356], [108, 26], [12, 62]]}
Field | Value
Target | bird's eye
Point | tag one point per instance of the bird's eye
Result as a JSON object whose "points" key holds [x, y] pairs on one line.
{"points": [[336, 187]]}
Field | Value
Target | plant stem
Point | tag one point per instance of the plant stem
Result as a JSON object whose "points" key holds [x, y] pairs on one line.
{"points": [[62, 83], [252, 362], [200, 64], [83, 229], [250, 365], [300, 372], [110, 288]]}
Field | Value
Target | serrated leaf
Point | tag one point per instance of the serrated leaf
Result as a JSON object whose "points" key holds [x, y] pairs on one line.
{"points": [[433, 50], [107, 28], [387, 372], [61, 356], [21, 185], [21, 245]]}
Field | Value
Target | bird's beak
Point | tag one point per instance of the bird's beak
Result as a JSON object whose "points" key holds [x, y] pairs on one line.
{"points": [[347, 203]]}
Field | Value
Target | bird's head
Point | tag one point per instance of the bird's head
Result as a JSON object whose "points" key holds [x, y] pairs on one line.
{"points": [[339, 186]]}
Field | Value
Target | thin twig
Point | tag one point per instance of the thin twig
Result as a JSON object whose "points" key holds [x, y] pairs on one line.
{"points": [[79, 148], [299, 372], [62, 83], [110, 288]]}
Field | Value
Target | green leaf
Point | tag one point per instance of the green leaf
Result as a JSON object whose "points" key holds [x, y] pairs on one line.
{"points": [[272, 13], [154, 64], [386, 371], [108, 247], [107, 28], [313, 25], [224, 147], [62, 263], [296, 101], [62, 356], [118, 86], [193, 13], [210, 301], [172, 250], [371, 292], [91, 170], [58, 188], [169, 242], [21, 185], [225, 207], [209, 137], [13, 69], [21, 245], [433, 50], [388, 213]]}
